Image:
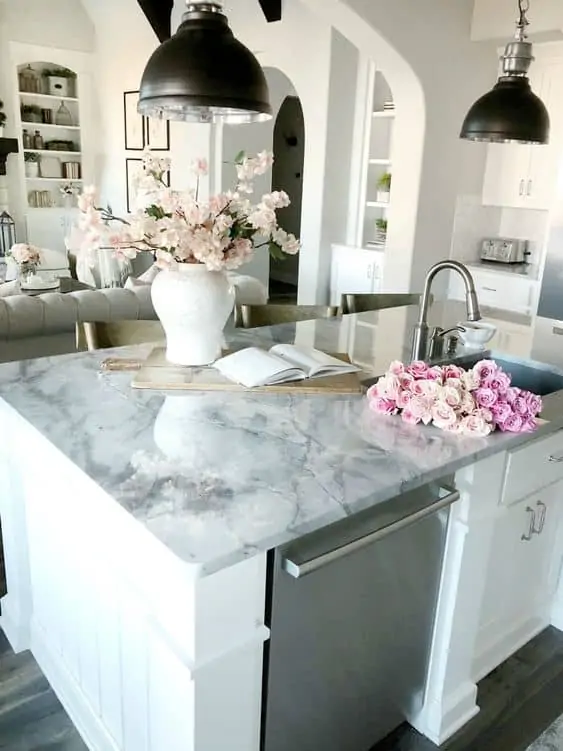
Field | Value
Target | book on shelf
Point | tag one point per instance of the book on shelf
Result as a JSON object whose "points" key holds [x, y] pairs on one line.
{"points": [[280, 364]]}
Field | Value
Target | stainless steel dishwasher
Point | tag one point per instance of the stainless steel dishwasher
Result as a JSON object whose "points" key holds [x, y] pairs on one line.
{"points": [[351, 610]]}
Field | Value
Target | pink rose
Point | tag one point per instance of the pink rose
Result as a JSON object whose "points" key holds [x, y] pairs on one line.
{"points": [[535, 403], [485, 413], [421, 407], [388, 386], [452, 371], [409, 418], [455, 383], [485, 397], [418, 388], [511, 393], [475, 425], [418, 369], [404, 399], [451, 396], [530, 425], [429, 388], [499, 381], [470, 380], [406, 380], [501, 412], [443, 415], [520, 405], [468, 403], [485, 369], [396, 368], [512, 424], [383, 406], [435, 374]]}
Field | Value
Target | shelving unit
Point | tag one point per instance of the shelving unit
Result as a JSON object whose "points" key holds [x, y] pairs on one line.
{"points": [[44, 192]]}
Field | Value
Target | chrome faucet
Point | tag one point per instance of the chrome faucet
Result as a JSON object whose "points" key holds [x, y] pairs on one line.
{"points": [[421, 330]]}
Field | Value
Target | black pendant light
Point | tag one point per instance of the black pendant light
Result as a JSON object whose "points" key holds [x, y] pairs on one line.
{"points": [[511, 112], [203, 74]]}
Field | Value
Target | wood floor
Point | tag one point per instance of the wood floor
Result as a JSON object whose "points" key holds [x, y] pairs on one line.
{"points": [[518, 702], [31, 717]]}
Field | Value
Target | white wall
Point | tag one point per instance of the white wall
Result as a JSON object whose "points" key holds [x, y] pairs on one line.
{"points": [[495, 19]]}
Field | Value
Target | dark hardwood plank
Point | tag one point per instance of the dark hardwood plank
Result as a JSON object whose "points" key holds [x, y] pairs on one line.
{"points": [[518, 701]]}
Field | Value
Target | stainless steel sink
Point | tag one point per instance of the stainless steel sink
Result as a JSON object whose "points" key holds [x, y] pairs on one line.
{"points": [[533, 376]]}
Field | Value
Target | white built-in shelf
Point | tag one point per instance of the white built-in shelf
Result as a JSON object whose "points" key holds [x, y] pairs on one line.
{"points": [[37, 126], [54, 179], [52, 152], [382, 162], [385, 114], [50, 97], [377, 204]]}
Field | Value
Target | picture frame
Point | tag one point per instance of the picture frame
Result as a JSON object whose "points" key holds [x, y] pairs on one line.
{"points": [[132, 167], [135, 136], [157, 134]]}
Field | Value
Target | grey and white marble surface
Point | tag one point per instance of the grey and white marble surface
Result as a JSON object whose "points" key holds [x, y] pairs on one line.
{"points": [[219, 476]]}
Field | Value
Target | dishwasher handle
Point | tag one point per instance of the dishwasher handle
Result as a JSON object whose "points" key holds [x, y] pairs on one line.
{"points": [[298, 570]]}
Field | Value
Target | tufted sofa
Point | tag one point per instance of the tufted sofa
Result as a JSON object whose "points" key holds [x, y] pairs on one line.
{"points": [[45, 324]]}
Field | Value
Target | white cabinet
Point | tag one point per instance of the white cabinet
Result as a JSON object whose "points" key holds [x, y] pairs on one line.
{"points": [[524, 176], [523, 577], [497, 290], [354, 271]]}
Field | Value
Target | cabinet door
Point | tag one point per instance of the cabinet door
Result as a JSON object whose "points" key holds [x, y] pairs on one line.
{"points": [[523, 577], [505, 175], [354, 273]]}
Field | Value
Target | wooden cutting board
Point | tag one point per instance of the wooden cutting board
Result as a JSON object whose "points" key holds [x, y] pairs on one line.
{"points": [[157, 373]]}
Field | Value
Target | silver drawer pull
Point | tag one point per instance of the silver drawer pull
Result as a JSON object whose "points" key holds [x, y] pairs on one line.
{"points": [[531, 525], [557, 330], [489, 289], [297, 569], [543, 513], [556, 459]]}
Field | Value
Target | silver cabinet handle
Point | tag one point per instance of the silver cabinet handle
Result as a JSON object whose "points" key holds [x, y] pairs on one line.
{"points": [[557, 330], [368, 271], [529, 188], [532, 524], [297, 569], [489, 289], [543, 513], [521, 190], [556, 459]]}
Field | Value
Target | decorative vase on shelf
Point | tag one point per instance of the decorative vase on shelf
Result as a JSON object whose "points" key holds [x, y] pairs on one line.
{"points": [[383, 196], [193, 305], [63, 116], [32, 169], [26, 272]]}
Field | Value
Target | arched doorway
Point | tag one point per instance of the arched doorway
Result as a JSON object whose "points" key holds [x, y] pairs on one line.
{"points": [[287, 175]]}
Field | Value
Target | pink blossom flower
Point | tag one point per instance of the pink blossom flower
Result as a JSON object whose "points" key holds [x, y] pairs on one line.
{"points": [[406, 380], [443, 415], [485, 397], [383, 406], [501, 412], [200, 167], [429, 388], [468, 403], [404, 399], [410, 418], [451, 396], [418, 369], [511, 393], [470, 380], [435, 374], [24, 253], [475, 425], [535, 403], [484, 369], [520, 405], [498, 381], [421, 406]]}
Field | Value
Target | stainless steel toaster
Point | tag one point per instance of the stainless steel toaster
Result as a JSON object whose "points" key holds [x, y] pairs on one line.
{"points": [[504, 250]]}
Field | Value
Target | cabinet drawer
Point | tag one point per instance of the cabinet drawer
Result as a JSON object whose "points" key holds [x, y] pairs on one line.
{"points": [[533, 467]]}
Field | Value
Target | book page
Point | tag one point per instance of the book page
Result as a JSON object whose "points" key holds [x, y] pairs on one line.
{"points": [[312, 361], [254, 367]]}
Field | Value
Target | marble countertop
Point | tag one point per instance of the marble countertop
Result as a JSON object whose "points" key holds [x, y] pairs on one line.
{"points": [[218, 477]]}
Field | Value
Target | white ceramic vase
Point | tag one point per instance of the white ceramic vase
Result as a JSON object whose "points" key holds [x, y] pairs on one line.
{"points": [[193, 305], [32, 169]]}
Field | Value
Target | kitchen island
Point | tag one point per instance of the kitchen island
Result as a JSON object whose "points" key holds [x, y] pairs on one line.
{"points": [[137, 527]]}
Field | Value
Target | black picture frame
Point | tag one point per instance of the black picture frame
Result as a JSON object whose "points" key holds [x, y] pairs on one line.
{"points": [[134, 123], [130, 173], [157, 134]]}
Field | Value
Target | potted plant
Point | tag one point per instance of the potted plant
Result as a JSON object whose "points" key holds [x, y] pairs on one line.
{"points": [[60, 81], [2, 118], [32, 160], [30, 113], [384, 187], [381, 230]]}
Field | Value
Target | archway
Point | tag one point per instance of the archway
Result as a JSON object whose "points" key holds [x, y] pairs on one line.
{"points": [[287, 175]]}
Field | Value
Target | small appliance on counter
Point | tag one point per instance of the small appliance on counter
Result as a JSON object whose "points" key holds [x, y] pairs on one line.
{"points": [[505, 250]]}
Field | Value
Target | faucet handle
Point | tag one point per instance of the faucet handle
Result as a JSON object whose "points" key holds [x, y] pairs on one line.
{"points": [[438, 340]]}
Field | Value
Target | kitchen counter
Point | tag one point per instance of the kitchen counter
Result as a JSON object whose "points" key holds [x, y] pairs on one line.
{"points": [[220, 477], [528, 270]]}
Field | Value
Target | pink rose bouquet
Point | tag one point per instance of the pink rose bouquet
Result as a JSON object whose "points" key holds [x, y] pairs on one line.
{"points": [[469, 402]]}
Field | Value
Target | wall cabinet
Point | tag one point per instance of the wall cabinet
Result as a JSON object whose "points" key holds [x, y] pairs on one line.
{"points": [[524, 176], [354, 270], [497, 290]]}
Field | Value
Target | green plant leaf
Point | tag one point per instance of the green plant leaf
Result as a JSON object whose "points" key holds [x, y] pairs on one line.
{"points": [[239, 158], [275, 251]]}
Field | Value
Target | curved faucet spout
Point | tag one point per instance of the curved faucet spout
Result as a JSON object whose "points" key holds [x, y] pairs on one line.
{"points": [[420, 340]]}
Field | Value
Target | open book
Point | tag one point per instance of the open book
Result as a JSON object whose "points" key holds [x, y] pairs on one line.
{"points": [[283, 362]]}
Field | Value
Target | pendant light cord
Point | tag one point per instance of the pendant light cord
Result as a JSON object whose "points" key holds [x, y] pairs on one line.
{"points": [[522, 23]]}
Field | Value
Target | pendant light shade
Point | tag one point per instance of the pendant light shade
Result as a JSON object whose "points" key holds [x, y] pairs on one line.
{"points": [[510, 112], [203, 74]]}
